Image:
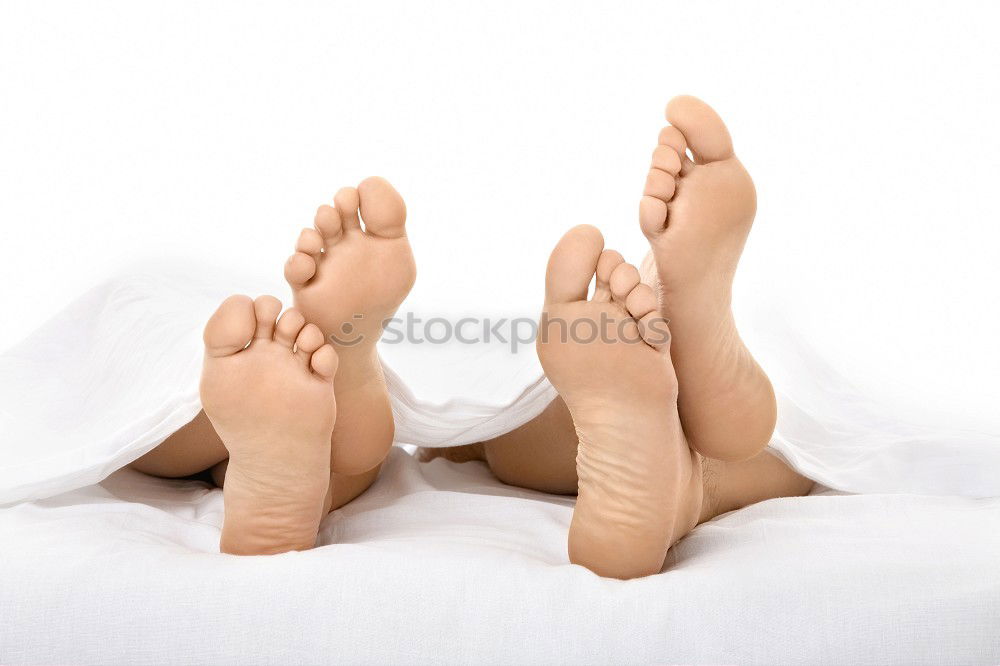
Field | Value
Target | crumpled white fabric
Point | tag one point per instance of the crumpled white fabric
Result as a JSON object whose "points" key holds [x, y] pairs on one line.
{"points": [[116, 372], [440, 563]]}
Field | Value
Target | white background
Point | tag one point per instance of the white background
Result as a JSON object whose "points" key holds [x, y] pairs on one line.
{"points": [[131, 131]]}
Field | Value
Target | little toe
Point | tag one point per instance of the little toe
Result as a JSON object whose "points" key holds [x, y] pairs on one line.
{"points": [[702, 128], [266, 310], [324, 362], [310, 242], [231, 327], [623, 280], [640, 301], [652, 216], [299, 269], [659, 184], [606, 264], [655, 331], [288, 327], [328, 223], [310, 339], [572, 264], [347, 201], [382, 208]]}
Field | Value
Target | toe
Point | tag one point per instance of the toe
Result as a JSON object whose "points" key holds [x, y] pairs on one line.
{"points": [[652, 216], [607, 263], [310, 339], [623, 280], [328, 223], [299, 269], [665, 158], [324, 362], [288, 327], [347, 201], [572, 264], [310, 242], [266, 310], [672, 137], [702, 127], [231, 327], [659, 184], [640, 301], [382, 209], [654, 329]]}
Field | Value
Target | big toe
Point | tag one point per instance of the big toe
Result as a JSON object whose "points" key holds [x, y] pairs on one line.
{"points": [[231, 327], [382, 208], [706, 134], [572, 264]]}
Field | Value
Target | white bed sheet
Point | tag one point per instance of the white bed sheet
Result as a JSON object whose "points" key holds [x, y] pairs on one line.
{"points": [[440, 563], [116, 372]]}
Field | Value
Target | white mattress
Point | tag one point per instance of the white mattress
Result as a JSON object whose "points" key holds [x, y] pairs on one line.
{"points": [[440, 563]]}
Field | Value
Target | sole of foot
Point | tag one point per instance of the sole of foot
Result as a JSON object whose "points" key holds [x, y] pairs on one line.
{"points": [[696, 212], [267, 387], [639, 484], [349, 274]]}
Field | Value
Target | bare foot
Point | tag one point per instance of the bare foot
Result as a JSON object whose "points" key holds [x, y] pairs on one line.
{"points": [[349, 281], [267, 388], [697, 215], [639, 484]]}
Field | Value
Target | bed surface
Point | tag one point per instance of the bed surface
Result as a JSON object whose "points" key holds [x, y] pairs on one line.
{"points": [[441, 563]]}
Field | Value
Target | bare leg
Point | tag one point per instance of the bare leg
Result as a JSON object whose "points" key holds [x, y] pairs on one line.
{"points": [[197, 448], [734, 485], [519, 459], [193, 449]]}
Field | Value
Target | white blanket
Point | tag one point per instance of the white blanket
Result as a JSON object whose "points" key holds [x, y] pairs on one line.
{"points": [[440, 563], [115, 373]]}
